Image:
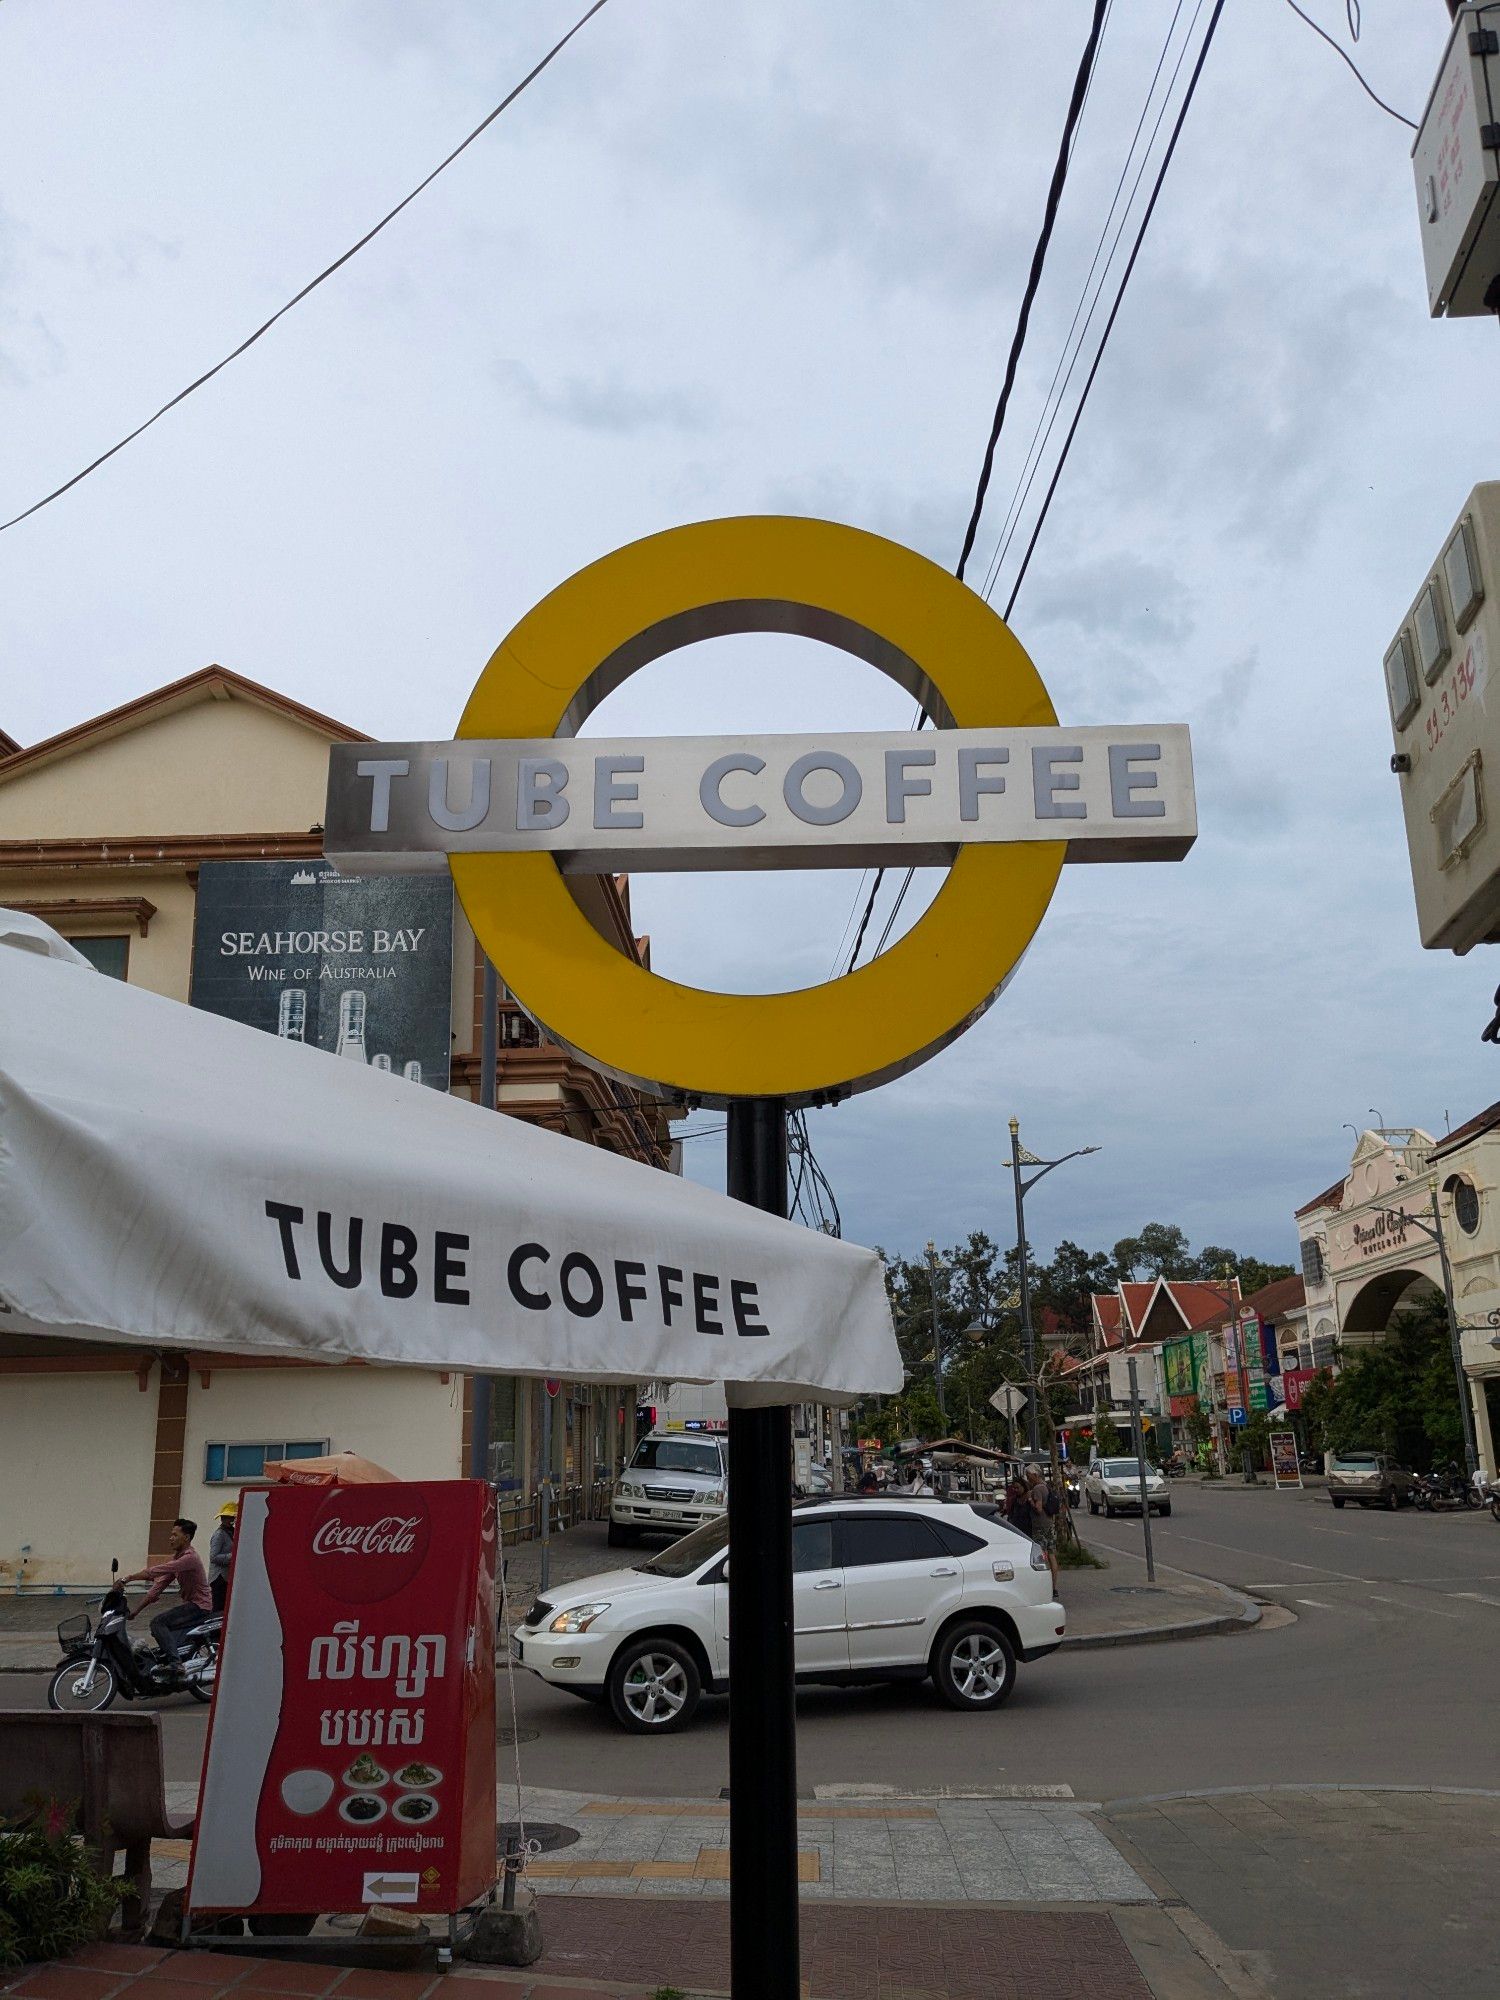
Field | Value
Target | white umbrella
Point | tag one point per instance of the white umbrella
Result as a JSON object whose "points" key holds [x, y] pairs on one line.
{"points": [[173, 1179]]}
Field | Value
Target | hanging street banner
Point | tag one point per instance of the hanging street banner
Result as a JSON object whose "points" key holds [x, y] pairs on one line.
{"points": [[363, 969], [999, 791]]}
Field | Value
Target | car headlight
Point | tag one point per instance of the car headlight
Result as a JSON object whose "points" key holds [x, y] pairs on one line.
{"points": [[578, 1617], [1038, 1558], [714, 1496], [630, 1489]]}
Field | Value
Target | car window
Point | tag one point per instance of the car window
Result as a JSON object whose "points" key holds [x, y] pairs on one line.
{"points": [[812, 1545], [957, 1541], [676, 1455], [887, 1538]]}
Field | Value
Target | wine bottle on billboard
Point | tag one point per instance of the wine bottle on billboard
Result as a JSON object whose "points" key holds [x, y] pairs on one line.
{"points": [[291, 1015], [351, 1041]]}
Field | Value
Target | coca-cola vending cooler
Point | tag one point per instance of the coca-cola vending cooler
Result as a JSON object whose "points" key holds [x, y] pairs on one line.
{"points": [[351, 1744]]}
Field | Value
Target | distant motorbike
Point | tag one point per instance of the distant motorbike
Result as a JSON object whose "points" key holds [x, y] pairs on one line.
{"points": [[1447, 1488], [102, 1661]]}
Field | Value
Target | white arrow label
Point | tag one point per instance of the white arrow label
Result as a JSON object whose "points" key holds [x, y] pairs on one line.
{"points": [[382, 1888]]}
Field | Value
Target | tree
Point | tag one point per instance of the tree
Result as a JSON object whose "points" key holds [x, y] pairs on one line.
{"points": [[1160, 1251], [1397, 1396], [1253, 1273], [1065, 1286], [1106, 1437]]}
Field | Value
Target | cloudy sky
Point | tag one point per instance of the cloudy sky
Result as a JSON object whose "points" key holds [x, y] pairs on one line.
{"points": [[767, 257]]}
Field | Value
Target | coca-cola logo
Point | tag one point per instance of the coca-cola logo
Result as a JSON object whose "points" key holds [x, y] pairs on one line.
{"points": [[369, 1542]]}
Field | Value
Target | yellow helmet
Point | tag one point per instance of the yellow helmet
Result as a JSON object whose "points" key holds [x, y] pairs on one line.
{"points": [[228, 1511]]}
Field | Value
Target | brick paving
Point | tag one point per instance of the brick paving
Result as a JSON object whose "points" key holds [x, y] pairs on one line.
{"points": [[608, 1949], [849, 1952]]}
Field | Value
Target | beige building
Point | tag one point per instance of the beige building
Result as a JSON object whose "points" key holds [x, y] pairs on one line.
{"points": [[103, 831], [1369, 1247]]}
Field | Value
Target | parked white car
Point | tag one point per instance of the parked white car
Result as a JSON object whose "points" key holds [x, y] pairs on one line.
{"points": [[1115, 1485], [675, 1480], [882, 1590]]}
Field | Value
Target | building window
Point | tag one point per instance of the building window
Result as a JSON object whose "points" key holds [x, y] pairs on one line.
{"points": [[1312, 1261], [1466, 1206], [229, 1464], [110, 955]]}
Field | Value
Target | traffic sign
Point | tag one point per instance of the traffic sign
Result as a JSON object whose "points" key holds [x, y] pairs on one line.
{"points": [[1236, 1414], [1009, 1400]]}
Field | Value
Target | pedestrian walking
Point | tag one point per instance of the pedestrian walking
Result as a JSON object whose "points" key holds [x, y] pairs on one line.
{"points": [[220, 1550], [1045, 1507]]}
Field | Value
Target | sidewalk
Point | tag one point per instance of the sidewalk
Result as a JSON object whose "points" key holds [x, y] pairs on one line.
{"points": [[944, 1898], [1328, 1889]]}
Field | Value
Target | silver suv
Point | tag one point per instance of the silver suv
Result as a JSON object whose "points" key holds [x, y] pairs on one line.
{"points": [[1370, 1478], [675, 1481]]}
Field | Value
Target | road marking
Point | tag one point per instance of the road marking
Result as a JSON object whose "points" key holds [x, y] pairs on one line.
{"points": [[1316, 1602], [1234, 1549], [1474, 1596]]}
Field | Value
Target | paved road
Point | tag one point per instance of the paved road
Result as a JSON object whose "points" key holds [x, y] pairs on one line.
{"points": [[1387, 1676]]}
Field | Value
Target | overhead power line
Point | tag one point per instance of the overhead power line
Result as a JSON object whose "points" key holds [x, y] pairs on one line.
{"points": [[1034, 276], [337, 264], [1140, 234], [1344, 57], [1114, 312], [1068, 357], [1082, 85]]}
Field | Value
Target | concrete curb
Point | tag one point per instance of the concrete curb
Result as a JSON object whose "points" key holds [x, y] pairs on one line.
{"points": [[1244, 1617], [1257, 1791]]}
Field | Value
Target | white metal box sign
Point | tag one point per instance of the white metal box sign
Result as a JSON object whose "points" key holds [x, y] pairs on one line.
{"points": [[1456, 159], [1440, 671]]}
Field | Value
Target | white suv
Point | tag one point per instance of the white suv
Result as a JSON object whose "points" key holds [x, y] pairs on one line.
{"points": [[1115, 1485], [673, 1481], [882, 1590]]}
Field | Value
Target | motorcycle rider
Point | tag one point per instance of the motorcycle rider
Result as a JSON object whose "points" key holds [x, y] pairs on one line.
{"points": [[220, 1549], [184, 1567]]}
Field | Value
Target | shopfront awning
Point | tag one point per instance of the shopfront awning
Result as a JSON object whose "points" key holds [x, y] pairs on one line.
{"points": [[174, 1180]]}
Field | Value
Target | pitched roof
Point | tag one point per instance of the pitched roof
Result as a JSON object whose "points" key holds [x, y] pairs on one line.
{"points": [[1282, 1295], [8, 744], [1107, 1317], [1482, 1121], [1193, 1300], [1136, 1298], [1331, 1197], [205, 683]]}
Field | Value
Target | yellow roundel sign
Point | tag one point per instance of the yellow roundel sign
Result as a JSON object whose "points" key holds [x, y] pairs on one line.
{"points": [[853, 590]]}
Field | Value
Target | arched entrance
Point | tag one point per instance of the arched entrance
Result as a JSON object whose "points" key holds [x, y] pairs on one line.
{"points": [[1370, 1312]]}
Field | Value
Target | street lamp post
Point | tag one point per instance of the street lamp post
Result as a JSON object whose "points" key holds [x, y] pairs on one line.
{"points": [[1434, 1229], [933, 1266], [1019, 1157]]}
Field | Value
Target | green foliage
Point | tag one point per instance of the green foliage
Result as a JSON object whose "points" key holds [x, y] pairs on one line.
{"points": [[1397, 1396], [51, 1900], [1107, 1440], [1073, 1555]]}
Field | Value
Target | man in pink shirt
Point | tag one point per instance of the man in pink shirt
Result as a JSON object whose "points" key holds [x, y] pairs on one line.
{"points": [[184, 1568]]}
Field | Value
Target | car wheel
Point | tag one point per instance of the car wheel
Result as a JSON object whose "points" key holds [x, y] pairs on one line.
{"points": [[1093, 1504], [1109, 1512], [1337, 1499], [1166, 1509], [654, 1686], [974, 1666], [622, 1538]]}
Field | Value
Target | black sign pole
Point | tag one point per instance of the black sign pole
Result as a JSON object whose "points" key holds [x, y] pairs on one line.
{"points": [[764, 1959]]}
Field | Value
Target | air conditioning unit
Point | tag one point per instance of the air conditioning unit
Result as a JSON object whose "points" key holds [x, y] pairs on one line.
{"points": [[1456, 159], [1445, 717]]}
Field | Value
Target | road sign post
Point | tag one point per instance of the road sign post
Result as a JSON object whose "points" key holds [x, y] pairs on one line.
{"points": [[1000, 793], [1140, 1466]]}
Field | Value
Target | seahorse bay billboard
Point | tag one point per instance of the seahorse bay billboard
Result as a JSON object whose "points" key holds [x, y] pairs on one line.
{"points": [[361, 967]]}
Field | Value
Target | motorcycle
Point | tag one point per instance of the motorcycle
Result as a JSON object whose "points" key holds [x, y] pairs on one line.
{"points": [[102, 1661], [1448, 1488]]}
